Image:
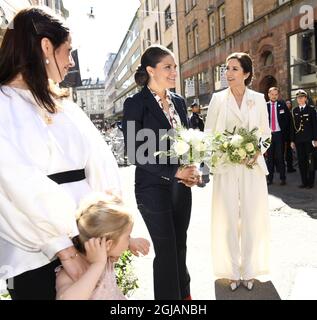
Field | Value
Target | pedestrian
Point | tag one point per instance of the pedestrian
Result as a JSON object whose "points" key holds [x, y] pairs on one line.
{"points": [[162, 189], [279, 119], [104, 233], [196, 122], [240, 213], [51, 157], [289, 150], [304, 136]]}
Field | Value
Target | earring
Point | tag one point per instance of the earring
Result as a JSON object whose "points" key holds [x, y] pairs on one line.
{"points": [[47, 61]]}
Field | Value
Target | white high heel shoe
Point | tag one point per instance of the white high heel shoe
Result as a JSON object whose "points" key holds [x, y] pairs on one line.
{"points": [[248, 284], [234, 284]]}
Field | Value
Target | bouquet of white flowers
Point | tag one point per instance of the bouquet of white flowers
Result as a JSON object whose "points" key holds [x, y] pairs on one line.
{"points": [[239, 146], [189, 146]]}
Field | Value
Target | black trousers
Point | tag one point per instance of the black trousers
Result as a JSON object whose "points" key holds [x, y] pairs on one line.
{"points": [[166, 212], [289, 156], [38, 284], [275, 155], [303, 150]]}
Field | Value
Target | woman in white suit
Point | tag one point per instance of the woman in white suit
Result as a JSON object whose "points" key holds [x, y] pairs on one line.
{"points": [[240, 216]]}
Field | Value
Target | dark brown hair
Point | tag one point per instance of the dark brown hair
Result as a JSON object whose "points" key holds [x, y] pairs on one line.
{"points": [[273, 89], [151, 57], [21, 52], [246, 64]]}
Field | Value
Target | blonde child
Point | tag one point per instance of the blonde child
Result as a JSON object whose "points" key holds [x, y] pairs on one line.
{"points": [[104, 234]]}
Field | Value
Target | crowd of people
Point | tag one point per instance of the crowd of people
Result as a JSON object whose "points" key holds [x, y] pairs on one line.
{"points": [[62, 220]]}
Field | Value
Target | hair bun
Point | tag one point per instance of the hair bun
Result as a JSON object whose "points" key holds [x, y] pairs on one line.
{"points": [[140, 69]]}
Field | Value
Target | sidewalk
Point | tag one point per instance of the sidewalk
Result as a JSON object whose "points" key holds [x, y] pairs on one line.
{"points": [[293, 245]]}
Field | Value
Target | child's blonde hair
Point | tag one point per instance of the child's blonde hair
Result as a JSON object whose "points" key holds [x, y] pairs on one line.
{"points": [[99, 217]]}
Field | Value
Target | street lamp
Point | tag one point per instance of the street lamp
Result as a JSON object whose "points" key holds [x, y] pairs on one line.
{"points": [[91, 14]]}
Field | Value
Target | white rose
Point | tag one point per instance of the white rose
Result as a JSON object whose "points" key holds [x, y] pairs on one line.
{"points": [[200, 146], [236, 140], [242, 153], [249, 147], [181, 147], [186, 135]]}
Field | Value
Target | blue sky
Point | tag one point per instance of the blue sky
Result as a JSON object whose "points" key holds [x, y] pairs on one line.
{"points": [[94, 38]]}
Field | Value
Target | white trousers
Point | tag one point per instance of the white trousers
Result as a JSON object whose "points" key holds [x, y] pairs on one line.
{"points": [[240, 223]]}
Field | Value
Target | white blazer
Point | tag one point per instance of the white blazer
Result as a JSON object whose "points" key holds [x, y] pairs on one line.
{"points": [[258, 117], [37, 216]]}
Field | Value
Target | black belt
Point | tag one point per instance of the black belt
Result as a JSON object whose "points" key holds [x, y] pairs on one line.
{"points": [[68, 176]]}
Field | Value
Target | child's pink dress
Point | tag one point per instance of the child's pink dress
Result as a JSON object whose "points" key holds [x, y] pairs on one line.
{"points": [[107, 288]]}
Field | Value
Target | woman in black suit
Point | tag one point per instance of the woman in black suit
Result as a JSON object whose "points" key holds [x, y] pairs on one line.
{"points": [[162, 188]]}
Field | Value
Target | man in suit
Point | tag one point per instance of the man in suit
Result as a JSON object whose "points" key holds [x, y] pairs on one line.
{"points": [[279, 119], [304, 136], [196, 122]]}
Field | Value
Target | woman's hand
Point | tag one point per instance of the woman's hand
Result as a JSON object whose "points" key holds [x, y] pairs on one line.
{"points": [[253, 160], [188, 175], [72, 262], [139, 245]]}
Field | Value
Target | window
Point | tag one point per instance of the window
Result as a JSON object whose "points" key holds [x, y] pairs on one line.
{"points": [[248, 11], [196, 40], [212, 28], [302, 60], [148, 34], [187, 5], [135, 56], [147, 7], [154, 4], [222, 19], [268, 58], [156, 32], [220, 77], [190, 87], [203, 82], [168, 18], [189, 43]]}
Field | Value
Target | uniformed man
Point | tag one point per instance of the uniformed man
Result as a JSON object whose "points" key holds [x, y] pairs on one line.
{"points": [[304, 136], [196, 122]]}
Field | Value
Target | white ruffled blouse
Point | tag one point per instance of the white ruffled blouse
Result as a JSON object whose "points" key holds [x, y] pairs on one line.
{"points": [[37, 216]]}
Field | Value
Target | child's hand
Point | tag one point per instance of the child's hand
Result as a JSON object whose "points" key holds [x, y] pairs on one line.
{"points": [[139, 245], [96, 250]]}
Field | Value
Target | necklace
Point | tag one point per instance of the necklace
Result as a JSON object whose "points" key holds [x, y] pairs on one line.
{"points": [[47, 117]]}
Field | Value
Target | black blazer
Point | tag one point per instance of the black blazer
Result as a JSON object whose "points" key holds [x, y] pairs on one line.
{"points": [[306, 121], [143, 112], [283, 117]]}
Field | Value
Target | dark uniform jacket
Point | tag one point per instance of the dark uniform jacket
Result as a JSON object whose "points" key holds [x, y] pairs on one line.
{"points": [[304, 124], [196, 122]]}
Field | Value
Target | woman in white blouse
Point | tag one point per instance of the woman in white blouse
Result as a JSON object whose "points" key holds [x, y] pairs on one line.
{"points": [[51, 156], [240, 216]]}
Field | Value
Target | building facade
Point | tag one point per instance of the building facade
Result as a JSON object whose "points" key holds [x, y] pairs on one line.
{"points": [[91, 98], [119, 83], [8, 9], [158, 25], [280, 35]]}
